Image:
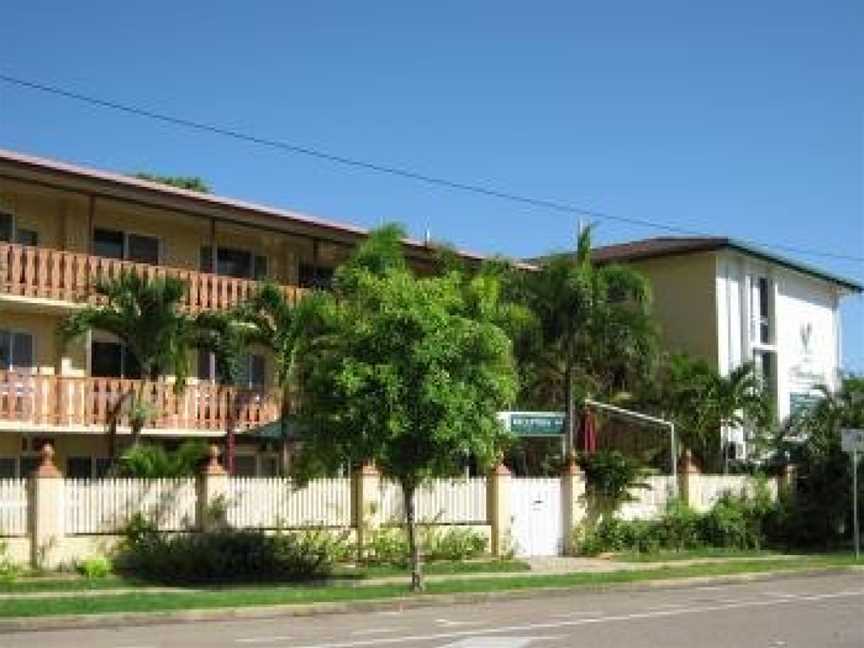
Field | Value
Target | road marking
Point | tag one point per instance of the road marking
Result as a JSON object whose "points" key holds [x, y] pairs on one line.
{"points": [[497, 642], [449, 624], [375, 631], [528, 627], [257, 640], [580, 613]]}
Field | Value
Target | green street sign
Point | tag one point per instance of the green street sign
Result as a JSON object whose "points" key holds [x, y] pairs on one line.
{"points": [[534, 423]]}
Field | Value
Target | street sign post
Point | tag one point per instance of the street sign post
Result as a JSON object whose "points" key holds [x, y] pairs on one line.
{"points": [[852, 441]]}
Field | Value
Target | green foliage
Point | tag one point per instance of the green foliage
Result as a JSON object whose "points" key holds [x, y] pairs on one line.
{"points": [[610, 477], [403, 371], [9, 570], [734, 522], [95, 567], [190, 183], [154, 461], [390, 545], [819, 512], [226, 555]]}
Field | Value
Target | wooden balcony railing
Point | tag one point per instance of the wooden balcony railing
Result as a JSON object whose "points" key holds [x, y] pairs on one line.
{"points": [[71, 276], [68, 401]]}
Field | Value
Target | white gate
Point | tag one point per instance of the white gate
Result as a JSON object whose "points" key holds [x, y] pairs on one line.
{"points": [[537, 517]]}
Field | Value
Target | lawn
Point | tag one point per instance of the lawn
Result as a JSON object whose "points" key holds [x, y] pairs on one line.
{"points": [[305, 594], [695, 554]]}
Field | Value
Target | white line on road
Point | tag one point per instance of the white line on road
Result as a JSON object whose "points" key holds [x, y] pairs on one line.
{"points": [[261, 640], [372, 631], [578, 622]]}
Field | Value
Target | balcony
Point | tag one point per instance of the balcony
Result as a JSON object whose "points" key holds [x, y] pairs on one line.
{"points": [[43, 273], [85, 404]]}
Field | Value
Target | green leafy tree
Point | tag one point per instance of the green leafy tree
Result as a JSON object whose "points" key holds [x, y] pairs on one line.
{"points": [[820, 511], [404, 372], [594, 335], [190, 183], [150, 461], [145, 316]]}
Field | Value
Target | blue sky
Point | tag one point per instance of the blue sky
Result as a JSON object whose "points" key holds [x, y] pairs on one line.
{"points": [[734, 118]]}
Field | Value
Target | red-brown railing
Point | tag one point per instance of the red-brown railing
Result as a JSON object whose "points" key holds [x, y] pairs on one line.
{"points": [[71, 276], [89, 402]]}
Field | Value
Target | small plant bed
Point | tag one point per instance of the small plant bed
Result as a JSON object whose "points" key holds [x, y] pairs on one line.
{"points": [[446, 567], [294, 595]]}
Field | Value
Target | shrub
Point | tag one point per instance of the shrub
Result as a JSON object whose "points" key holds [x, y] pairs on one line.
{"points": [[454, 544], [226, 555], [387, 546], [679, 527], [8, 569], [94, 567]]}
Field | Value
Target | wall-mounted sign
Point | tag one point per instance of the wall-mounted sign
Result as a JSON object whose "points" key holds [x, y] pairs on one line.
{"points": [[801, 401], [852, 440], [535, 424]]}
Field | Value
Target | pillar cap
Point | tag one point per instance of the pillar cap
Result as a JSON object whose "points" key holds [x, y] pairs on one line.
{"points": [[500, 470], [47, 469], [688, 464], [368, 469], [213, 466], [571, 468]]}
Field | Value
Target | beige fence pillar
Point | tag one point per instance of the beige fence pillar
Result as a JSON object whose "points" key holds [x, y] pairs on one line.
{"points": [[212, 494], [689, 484], [47, 513], [498, 510], [572, 501], [365, 510]]}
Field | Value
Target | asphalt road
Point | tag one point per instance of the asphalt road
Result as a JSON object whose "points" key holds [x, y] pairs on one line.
{"points": [[811, 612]]}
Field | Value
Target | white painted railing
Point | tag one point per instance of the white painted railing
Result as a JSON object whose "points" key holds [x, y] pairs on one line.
{"points": [[13, 507], [107, 505], [649, 502], [268, 503], [445, 501]]}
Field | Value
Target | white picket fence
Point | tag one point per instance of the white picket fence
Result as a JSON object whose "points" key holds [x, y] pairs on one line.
{"points": [[107, 505], [445, 501], [712, 487], [13, 507], [649, 502], [268, 503]]}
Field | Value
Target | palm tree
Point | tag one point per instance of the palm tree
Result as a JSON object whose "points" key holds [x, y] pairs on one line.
{"points": [[594, 333], [144, 315]]}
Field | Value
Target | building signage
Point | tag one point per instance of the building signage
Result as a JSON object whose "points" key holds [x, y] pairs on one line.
{"points": [[532, 424], [801, 402]]}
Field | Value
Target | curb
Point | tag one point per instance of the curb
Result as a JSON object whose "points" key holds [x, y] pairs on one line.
{"points": [[114, 619]]}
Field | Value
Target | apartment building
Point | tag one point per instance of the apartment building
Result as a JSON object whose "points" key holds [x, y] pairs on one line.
{"points": [[64, 227], [729, 302]]}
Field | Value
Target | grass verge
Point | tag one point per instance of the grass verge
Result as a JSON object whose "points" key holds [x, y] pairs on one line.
{"points": [[286, 595], [694, 554]]}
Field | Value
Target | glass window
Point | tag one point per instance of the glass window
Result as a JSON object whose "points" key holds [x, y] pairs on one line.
{"points": [[79, 467], [257, 371], [766, 368], [143, 249], [205, 365], [106, 360], [244, 465], [5, 227], [312, 277], [16, 351], [234, 263], [206, 264], [29, 464], [27, 237], [103, 465], [8, 467], [108, 243]]}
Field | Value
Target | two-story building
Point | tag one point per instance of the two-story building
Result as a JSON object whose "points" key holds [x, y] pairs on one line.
{"points": [[63, 228], [730, 303]]}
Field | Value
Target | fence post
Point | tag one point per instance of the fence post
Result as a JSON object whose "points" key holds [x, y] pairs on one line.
{"points": [[498, 509], [573, 500], [211, 511], [689, 484], [47, 512], [365, 509]]}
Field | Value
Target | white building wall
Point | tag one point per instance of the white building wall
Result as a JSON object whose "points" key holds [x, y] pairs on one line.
{"points": [[806, 323]]}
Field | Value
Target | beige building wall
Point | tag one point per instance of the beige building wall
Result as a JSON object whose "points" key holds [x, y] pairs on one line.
{"points": [[685, 302]]}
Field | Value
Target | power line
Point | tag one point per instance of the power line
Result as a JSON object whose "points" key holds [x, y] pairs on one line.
{"points": [[482, 190]]}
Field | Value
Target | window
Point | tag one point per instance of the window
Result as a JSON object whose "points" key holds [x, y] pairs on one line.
{"points": [[5, 227], [26, 237], [16, 351], [206, 365], [253, 370], [115, 244], [315, 277], [113, 360], [761, 317], [234, 263], [29, 464], [244, 465], [766, 369], [8, 467], [269, 466], [79, 467], [103, 465]]}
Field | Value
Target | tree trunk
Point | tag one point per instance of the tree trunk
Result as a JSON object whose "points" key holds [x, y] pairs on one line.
{"points": [[570, 413], [137, 419], [413, 549]]}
